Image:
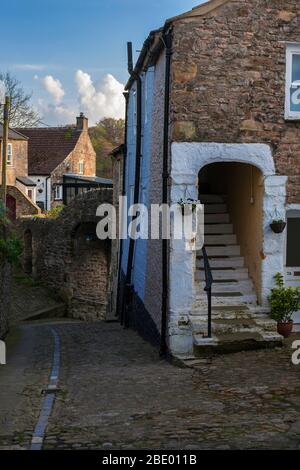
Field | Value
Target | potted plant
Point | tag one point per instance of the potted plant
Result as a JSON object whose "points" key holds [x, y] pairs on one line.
{"points": [[278, 225], [188, 204], [284, 301]]}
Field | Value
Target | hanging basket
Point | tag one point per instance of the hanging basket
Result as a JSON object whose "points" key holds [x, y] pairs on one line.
{"points": [[278, 227]]}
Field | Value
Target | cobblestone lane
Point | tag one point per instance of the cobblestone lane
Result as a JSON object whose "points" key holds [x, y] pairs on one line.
{"points": [[116, 393]]}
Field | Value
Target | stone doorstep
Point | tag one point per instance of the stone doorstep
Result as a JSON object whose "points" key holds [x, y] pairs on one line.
{"points": [[235, 342]]}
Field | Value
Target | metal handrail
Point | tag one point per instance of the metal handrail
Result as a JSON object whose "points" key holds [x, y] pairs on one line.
{"points": [[208, 289]]}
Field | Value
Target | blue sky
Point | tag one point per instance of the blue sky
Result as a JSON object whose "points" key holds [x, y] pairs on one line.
{"points": [[58, 38]]}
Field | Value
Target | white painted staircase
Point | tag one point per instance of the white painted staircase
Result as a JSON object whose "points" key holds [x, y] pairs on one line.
{"points": [[237, 321]]}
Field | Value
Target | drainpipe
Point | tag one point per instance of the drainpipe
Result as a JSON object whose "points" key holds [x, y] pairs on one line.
{"points": [[167, 39], [46, 189], [119, 312], [138, 156]]}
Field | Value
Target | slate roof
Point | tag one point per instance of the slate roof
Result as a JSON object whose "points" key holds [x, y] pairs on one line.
{"points": [[25, 180], [12, 134], [48, 147]]}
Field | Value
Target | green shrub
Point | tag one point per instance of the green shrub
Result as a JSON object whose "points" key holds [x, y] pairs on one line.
{"points": [[55, 211], [11, 247], [284, 301]]}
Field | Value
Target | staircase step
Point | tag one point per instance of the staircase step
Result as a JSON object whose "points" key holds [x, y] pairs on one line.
{"points": [[228, 250], [220, 240], [211, 198], [230, 262], [215, 208], [217, 218], [224, 326], [234, 342], [246, 287], [218, 228], [228, 274], [230, 301]]}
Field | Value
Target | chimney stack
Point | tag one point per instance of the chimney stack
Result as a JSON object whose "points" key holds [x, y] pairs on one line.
{"points": [[82, 123]]}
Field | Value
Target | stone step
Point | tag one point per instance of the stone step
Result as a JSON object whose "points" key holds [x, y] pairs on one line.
{"points": [[234, 342], [224, 326], [228, 301], [244, 286], [228, 250], [220, 240], [211, 198], [218, 228], [217, 218], [215, 208], [227, 274], [230, 262]]}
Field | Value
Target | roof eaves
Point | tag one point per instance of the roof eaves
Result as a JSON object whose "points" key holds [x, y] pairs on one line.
{"points": [[200, 10], [148, 54]]}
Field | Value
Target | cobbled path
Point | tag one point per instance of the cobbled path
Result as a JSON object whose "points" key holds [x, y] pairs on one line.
{"points": [[115, 393]]}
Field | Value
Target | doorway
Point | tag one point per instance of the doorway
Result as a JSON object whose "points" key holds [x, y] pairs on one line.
{"points": [[292, 269]]}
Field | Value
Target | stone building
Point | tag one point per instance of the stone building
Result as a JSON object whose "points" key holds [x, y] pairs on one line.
{"points": [[57, 152], [214, 114], [65, 255], [21, 190]]}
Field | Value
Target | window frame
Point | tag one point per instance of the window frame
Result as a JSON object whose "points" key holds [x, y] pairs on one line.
{"points": [[9, 154], [291, 49], [58, 188], [81, 164]]}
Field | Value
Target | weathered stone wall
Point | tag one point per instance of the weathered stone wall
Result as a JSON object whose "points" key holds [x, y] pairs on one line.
{"points": [[5, 292], [228, 80], [68, 257]]}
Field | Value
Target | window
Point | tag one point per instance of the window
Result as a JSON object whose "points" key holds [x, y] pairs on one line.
{"points": [[58, 193], [81, 168], [292, 98], [30, 193], [9, 154]]}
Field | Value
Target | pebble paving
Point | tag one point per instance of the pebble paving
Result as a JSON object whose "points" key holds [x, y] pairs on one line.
{"points": [[116, 393]]}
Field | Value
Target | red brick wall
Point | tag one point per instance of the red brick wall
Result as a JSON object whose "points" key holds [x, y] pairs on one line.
{"points": [[228, 79]]}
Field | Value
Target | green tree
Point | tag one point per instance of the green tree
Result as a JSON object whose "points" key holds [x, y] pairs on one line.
{"points": [[106, 135]]}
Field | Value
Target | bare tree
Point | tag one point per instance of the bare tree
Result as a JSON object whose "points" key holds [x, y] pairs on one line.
{"points": [[21, 112]]}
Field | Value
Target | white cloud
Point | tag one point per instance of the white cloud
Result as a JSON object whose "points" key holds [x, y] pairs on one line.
{"points": [[100, 100], [54, 87], [56, 115]]}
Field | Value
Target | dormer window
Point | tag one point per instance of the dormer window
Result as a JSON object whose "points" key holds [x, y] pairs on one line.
{"points": [[9, 154], [292, 98]]}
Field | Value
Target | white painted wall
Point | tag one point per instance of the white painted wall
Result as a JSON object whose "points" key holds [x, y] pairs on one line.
{"points": [[41, 193], [187, 159]]}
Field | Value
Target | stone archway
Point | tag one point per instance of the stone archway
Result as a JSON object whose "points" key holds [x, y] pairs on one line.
{"points": [[187, 159]]}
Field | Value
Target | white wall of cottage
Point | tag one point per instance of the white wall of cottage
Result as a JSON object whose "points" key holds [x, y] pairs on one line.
{"points": [[187, 159]]}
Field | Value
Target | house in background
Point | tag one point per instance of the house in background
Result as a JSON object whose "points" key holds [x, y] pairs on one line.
{"points": [[58, 153], [213, 114], [21, 190]]}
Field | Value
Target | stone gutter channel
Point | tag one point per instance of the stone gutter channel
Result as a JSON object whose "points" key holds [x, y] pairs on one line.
{"points": [[49, 392]]}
